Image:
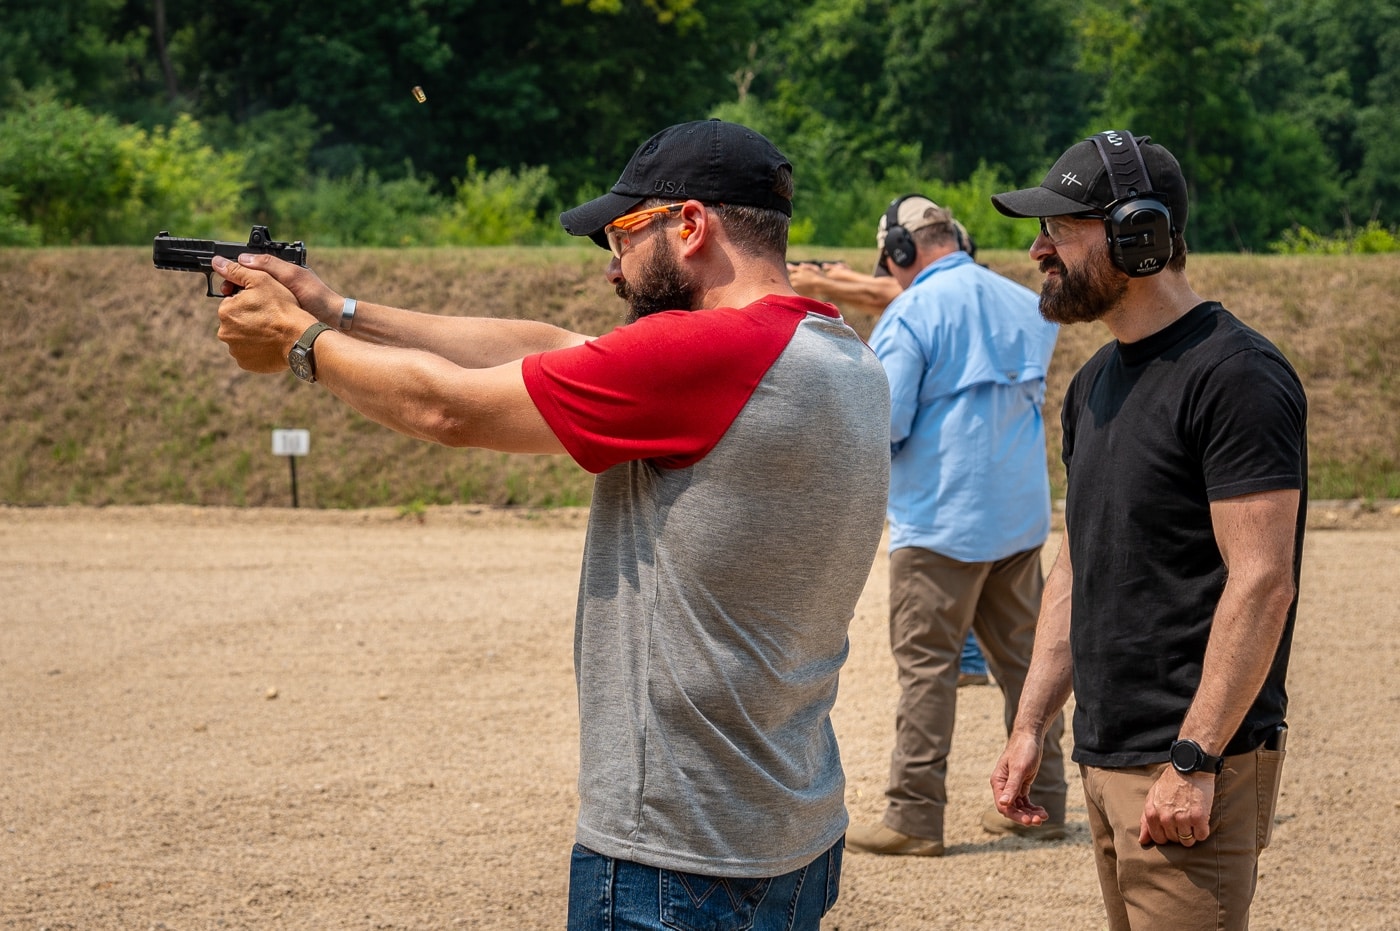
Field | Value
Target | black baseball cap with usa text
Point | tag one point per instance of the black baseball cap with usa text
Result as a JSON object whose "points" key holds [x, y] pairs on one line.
{"points": [[712, 161], [1081, 181]]}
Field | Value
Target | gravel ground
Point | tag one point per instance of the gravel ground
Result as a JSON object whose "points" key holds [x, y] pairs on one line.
{"points": [[310, 719]]}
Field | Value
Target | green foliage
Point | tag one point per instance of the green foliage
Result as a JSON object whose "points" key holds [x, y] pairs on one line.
{"points": [[1373, 476], [1283, 113], [81, 51], [1370, 239], [179, 183], [681, 12], [13, 230], [1238, 207], [1335, 66], [849, 215], [359, 210], [79, 178], [975, 82], [276, 147], [71, 168], [499, 208]]}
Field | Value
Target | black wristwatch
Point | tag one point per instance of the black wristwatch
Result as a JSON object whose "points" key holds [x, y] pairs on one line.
{"points": [[301, 358], [1188, 757]]}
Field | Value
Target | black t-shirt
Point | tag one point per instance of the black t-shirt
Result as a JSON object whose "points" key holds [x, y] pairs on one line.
{"points": [[1154, 431]]}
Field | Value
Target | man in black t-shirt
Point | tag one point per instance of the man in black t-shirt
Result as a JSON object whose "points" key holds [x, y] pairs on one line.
{"points": [[1170, 608]]}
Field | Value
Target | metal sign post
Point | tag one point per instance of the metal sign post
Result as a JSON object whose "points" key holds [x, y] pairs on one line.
{"points": [[291, 443]]}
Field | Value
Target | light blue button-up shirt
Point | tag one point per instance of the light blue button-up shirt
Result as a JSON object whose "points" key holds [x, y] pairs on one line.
{"points": [[966, 352]]}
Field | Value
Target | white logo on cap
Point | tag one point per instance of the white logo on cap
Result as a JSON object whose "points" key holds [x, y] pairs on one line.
{"points": [[1113, 137], [1071, 177]]}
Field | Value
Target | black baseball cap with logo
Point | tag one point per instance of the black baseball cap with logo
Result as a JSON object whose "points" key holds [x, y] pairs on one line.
{"points": [[1081, 181], [711, 161]]}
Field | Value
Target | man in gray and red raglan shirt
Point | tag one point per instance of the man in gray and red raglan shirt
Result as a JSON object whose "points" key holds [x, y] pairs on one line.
{"points": [[739, 434]]}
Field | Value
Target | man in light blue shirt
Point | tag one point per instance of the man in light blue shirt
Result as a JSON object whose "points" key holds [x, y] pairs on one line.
{"points": [[966, 352]]}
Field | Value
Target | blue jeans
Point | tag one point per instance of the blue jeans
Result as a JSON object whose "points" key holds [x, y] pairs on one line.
{"points": [[606, 894], [972, 661]]}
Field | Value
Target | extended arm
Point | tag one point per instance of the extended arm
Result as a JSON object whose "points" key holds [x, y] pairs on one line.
{"points": [[842, 285], [1049, 682], [473, 396], [1255, 534], [470, 342]]}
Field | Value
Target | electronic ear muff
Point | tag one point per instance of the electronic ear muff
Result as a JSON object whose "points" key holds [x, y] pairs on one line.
{"points": [[899, 244], [1137, 223]]}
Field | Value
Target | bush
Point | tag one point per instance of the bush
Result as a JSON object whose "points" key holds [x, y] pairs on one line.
{"points": [[74, 178], [180, 184], [13, 230], [1370, 239], [499, 209], [849, 215], [72, 170], [359, 210]]}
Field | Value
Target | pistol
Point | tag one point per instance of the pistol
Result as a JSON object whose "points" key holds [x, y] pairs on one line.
{"points": [[194, 255], [822, 263]]}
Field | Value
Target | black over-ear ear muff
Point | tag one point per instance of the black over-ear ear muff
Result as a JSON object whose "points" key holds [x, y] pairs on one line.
{"points": [[1138, 223], [899, 244]]}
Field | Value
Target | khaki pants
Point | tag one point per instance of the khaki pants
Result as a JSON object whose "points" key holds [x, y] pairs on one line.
{"points": [[1208, 886], [934, 600]]}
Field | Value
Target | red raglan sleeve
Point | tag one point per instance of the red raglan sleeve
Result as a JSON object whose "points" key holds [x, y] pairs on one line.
{"points": [[665, 388]]}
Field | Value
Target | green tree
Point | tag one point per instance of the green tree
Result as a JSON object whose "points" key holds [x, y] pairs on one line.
{"points": [[873, 98], [1179, 71], [349, 67], [965, 82], [975, 82], [577, 86], [572, 84], [79, 49], [1335, 65]]}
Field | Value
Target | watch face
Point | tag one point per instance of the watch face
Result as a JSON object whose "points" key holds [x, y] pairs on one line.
{"points": [[300, 364], [300, 358], [1185, 757]]}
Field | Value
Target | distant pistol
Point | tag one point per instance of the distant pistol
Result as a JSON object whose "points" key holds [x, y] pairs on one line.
{"points": [[195, 255]]}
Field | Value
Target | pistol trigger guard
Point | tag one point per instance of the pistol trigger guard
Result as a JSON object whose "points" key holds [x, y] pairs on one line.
{"points": [[209, 284]]}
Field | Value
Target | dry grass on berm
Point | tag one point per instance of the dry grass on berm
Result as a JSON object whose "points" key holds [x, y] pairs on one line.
{"points": [[123, 395]]}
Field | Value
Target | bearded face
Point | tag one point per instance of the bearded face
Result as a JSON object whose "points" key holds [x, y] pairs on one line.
{"points": [[659, 284], [1084, 293]]}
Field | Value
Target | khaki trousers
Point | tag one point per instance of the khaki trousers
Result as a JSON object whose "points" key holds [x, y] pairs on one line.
{"points": [[934, 600], [1206, 887]]}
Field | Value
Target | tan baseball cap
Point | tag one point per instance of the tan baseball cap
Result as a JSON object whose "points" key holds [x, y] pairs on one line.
{"points": [[913, 213]]}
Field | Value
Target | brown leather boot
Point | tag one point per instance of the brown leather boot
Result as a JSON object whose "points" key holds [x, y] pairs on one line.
{"points": [[880, 839]]}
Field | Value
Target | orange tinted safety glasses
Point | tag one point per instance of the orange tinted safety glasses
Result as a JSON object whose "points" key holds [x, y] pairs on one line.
{"points": [[619, 230]]}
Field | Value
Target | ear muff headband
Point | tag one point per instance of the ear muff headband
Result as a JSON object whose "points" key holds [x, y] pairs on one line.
{"points": [[1137, 223], [899, 244], [965, 242]]}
